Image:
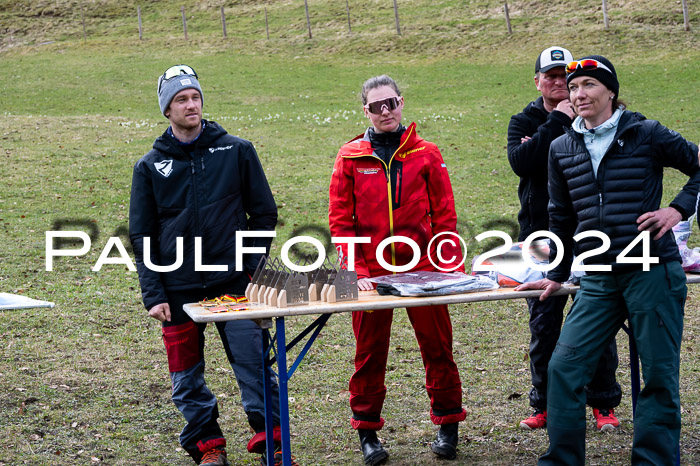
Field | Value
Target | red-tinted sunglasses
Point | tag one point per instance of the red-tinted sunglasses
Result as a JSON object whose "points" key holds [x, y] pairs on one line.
{"points": [[377, 107], [585, 65]]}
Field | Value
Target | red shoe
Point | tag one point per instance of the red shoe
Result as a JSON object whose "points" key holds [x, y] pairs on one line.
{"points": [[538, 420], [215, 457], [605, 419]]}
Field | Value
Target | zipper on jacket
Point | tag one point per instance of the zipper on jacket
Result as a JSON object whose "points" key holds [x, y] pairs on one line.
{"points": [[600, 179], [388, 186], [531, 219], [387, 173], [597, 177], [398, 183], [195, 190], [196, 199]]}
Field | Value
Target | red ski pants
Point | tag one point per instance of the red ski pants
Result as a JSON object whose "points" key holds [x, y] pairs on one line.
{"points": [[434, 334]]}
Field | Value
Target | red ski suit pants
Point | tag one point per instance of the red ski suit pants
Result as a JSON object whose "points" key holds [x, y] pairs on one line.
{"points": [[434, 334]]}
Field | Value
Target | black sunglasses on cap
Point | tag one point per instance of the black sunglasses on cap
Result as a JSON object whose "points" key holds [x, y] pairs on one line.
{"points": [[175, 71]]}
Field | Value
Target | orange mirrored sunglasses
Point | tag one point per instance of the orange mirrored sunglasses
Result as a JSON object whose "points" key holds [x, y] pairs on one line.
{"points": [[587, 64]]}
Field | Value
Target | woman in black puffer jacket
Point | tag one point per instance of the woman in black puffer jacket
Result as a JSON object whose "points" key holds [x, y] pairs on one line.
{"points": [[605, 179]]}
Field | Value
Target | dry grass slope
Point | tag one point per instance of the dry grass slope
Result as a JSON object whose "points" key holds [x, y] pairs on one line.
{"points": [[442, 27]]}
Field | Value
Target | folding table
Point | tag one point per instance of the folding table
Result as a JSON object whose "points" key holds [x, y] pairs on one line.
{"points": [[368, 300]]}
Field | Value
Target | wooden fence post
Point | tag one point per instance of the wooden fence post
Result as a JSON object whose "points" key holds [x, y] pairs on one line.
{"points": [[505, 9], [223, 21], [82, 19], [184, 21], [396, 15], [138, 13], [686, 21], [308, 21], [267, 27], [605, 15], [347, 9]]}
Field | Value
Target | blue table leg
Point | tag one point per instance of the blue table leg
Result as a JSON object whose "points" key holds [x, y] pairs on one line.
{"points": [[267, 392], [284, 391], [283, 376]]}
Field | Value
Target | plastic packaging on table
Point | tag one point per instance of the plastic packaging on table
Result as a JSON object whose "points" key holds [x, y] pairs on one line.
{"points": [[424, 283], [690, 257], [511, 267]]}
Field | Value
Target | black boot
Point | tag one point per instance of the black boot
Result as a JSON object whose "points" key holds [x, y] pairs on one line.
{"points": [[372, 450], [445, 444]]}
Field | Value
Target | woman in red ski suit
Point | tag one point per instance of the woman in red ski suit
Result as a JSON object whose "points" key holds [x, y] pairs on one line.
{"points": [[390, 182]]}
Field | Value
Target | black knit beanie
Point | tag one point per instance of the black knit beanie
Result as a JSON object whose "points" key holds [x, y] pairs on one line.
{"points": [[608, 78]]}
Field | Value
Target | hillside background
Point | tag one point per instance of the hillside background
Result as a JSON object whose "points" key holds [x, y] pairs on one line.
{"points": [[444, 27]]}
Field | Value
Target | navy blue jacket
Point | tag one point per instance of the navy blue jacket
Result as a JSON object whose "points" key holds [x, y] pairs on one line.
{"points": [[213, 192], [628, 184], [529, 161]]}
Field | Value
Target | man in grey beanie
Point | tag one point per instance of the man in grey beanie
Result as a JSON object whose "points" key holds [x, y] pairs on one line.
{"points": [[190, 194], [179, 83]]}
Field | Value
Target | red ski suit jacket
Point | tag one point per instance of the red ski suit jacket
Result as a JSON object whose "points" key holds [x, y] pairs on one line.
{"points": [[410, 196]]}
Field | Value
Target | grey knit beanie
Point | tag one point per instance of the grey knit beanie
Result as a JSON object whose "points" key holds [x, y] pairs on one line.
{"points": [[168, 89]]}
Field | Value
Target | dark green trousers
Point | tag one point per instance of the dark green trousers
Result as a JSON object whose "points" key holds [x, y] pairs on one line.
{"points": [[655, 302]]}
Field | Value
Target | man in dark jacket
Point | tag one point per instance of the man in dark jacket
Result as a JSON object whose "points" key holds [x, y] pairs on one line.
{"points": [[530, 133], [190, 195]]}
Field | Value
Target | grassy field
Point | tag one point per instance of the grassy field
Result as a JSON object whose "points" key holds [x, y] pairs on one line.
{"points": [[87, 381]]}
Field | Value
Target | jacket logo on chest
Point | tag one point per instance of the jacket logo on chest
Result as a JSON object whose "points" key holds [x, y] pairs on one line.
{"points": [[214, 149], [368, 171], [403, 155], [621, 142], [165, 167]]}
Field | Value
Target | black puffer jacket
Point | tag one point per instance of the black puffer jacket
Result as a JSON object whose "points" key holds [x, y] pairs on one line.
{"points": [[217, 190], [628, 184], [529, 161]]}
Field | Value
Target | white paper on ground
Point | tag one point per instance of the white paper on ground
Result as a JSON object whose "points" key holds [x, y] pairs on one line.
{"points": [[15, 301]]}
